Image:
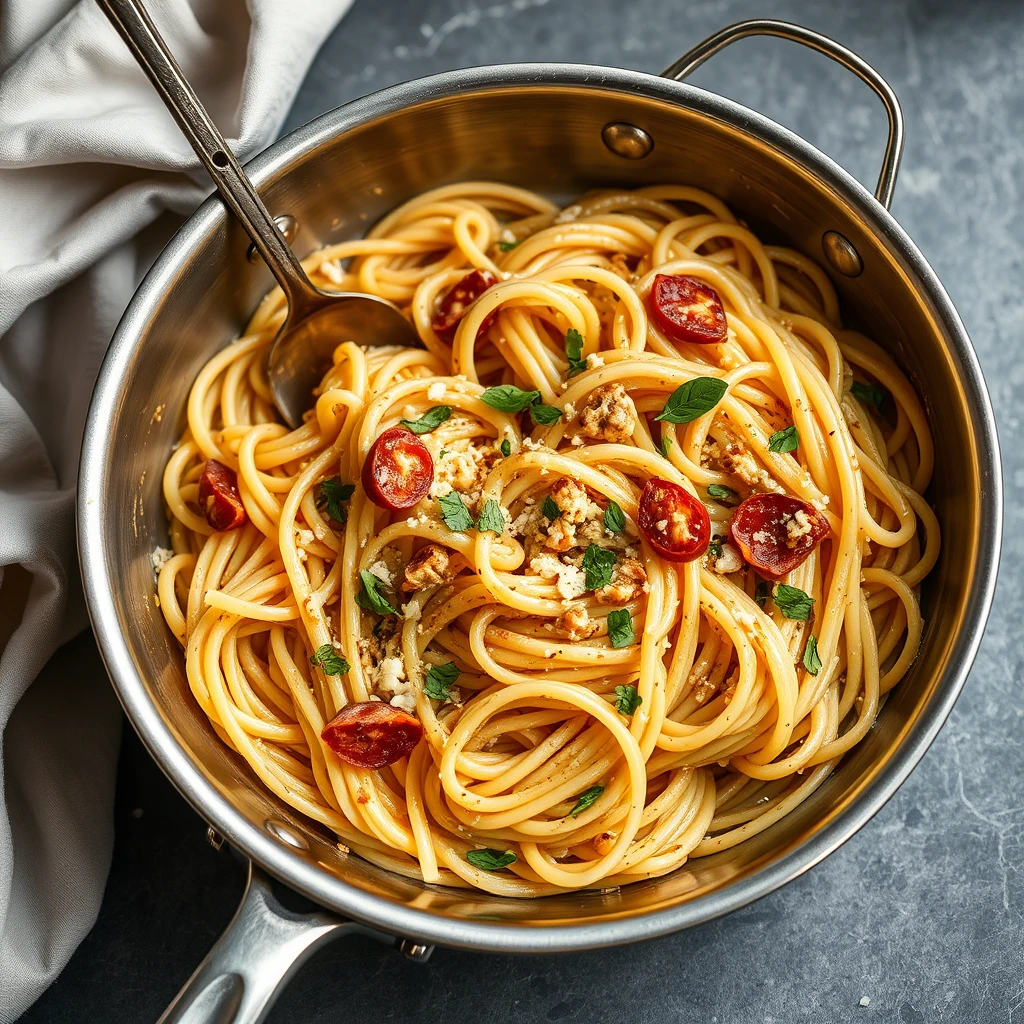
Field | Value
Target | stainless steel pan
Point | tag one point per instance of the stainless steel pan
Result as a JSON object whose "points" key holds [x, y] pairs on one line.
{"points": [[559, 129]]}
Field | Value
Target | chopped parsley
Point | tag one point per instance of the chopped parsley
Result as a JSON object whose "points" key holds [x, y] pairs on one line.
{"points": [[873, 394], [544, 415], [440, 679], [666, 443], [721, 492], [509, 398], [693, 399], [454, 512], [505, 448], [620, 629], [371, 597], [550, 508], [614, 518], [627, 700], [574, 351], [586, 800], [490, 860], [330, 494], [491, 518], [598, 563], [793, 602], [430, 420], [812, 662], [509, 246], [330, 661], [761, 593], [715, 547], [786, 440]]}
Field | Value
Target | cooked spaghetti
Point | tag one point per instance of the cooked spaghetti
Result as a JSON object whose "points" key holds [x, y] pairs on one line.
{"points": [[659, 578]]}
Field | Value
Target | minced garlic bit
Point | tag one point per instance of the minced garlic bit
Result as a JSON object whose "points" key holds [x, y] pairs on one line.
{"points": [[436, 391], [160, 557]]}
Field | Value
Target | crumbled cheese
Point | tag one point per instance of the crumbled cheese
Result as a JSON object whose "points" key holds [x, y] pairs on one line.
{"points": [[160, 557], [382, 572], [594, 361], [436, 391], [797, 526], [570, 411], [570, 580], [464, 469], [661, 525], [304, 537], [570, 213], [576, 440]]}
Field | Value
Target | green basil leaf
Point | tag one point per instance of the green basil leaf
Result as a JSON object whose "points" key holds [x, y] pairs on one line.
{"points": [[330, 661], [574, 351], [509, 398], [721, 492], [544, 415], [490, 860], [509, 246], [430, 420], [873, 394], [505, 448], [812, 662], [372, 597], [586, 799], [550, 508], [693, 399], [627, 700], [793, 602], [440, 679], [614, 518], [620, 629], [454, 512], [330, 494], [715, 547], [666, 443], [491, 518], [761, 593], [598, 563], [787, 440]]}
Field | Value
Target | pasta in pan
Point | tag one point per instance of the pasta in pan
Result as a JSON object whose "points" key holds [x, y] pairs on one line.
{"points": [[607, 575]]}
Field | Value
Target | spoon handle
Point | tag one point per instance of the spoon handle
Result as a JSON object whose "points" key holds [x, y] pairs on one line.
{"points": [[149, 49]]}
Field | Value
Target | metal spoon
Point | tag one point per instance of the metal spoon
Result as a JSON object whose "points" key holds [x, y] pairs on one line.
{"points": [[317, 321]]}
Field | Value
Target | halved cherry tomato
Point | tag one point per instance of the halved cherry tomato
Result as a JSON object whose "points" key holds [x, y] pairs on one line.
{"points": [[398, 470], [372, 734], [675, 523], [687, 309], [452, 308], [776, 532], [219, 498]]}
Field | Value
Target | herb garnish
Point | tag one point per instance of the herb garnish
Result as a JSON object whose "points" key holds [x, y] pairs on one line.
{"points": [[330, 494], [620, 629], [793, 602], [574, 351], [371, 596], [430, 420], [614, 518], [693, 399], [785, 440], [812, 662], [491, 518], [330, 661], [586, 800], [440, 679], [550, 508], [598, 563], [490, 860], [454, 512], [627, 700]]}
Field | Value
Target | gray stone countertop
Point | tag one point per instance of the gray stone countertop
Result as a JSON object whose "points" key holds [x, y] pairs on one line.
{"points": [[918, 918]]}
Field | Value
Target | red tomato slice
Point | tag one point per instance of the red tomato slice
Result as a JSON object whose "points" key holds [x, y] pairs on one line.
{"points": [[674, 522], [777, 532], [372, 734], [398, 470], [219, 498], [687, 309], [453, 307]]}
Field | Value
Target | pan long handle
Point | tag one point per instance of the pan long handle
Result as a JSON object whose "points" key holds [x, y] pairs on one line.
{"points": [[262, 947], [689, 63]]}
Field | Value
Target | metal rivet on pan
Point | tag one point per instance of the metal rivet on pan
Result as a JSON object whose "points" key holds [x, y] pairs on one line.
{"points": [[841, 254], [626, 140], [416, 951], [287, 225], [286, 834], [214, 838]]}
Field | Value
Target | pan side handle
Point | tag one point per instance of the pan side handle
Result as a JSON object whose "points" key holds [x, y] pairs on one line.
{"points": [[689, 63], [259, 951]]}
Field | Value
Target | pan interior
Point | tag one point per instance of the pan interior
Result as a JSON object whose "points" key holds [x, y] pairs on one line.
{"points": [[546, 137]]}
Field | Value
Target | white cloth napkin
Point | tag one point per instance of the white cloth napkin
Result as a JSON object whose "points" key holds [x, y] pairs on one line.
{"points": [[89, 161]]}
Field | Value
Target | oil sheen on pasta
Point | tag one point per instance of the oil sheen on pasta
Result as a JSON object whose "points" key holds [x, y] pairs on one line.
{"points": [[733, 731]]}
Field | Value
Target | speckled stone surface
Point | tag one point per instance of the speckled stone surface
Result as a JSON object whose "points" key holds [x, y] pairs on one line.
{"points": [[920, 917]]}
